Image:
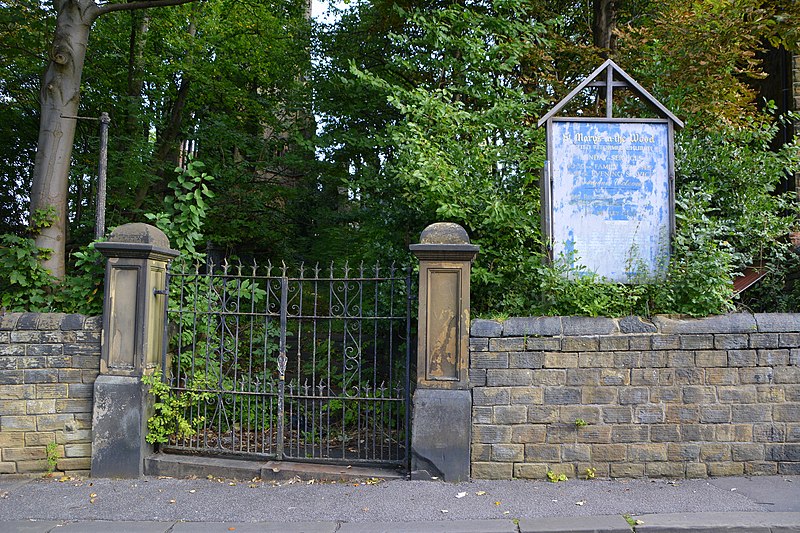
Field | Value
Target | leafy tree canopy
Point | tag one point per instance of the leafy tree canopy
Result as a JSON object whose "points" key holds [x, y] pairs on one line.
{"points": [[343, 140]]}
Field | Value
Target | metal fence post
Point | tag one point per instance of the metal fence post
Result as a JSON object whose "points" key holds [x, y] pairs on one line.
{"points": [[442, 405]]}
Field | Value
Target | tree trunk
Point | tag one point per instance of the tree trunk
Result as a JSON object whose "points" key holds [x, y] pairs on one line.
{"points": [[603, 25], [59, 98], [167, 153], [140, 26]]}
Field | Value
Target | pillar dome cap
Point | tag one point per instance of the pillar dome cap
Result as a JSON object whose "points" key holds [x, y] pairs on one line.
{"points": [[139, 233], [444, 233]]}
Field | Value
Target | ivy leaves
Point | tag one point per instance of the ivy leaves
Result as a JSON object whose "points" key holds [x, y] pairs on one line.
{"points": [[185, 210]]}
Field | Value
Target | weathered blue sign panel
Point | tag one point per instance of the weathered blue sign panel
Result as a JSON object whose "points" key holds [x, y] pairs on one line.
{"points": [[611, 195]]}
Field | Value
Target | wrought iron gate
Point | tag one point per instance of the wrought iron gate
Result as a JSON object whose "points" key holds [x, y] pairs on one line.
{"points": [[309, 367]]}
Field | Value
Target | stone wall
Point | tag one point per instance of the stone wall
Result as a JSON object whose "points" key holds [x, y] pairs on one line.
{"points": [[48, 365], [631, 397]]}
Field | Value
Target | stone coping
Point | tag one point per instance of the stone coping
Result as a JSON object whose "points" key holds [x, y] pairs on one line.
{"points": [[558, 326], [48, 321]]}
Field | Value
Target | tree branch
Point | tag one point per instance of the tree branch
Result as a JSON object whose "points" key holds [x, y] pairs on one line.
{"points": [[140, 4]]}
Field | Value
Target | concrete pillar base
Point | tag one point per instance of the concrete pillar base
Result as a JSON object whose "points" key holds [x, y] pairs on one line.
{"points": [[119, 425], [441, 434]]}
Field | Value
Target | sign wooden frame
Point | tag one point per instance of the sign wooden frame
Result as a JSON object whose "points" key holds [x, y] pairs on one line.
{"points": [[608, 185]]}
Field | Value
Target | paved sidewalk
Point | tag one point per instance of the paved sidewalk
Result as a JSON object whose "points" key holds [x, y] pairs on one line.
{"points": [[160, 505]]}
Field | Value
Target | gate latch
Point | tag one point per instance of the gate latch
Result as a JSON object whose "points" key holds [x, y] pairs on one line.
{"points": [[158, 291]]}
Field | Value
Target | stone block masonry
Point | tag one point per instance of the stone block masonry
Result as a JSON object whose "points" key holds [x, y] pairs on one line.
{"points": [[48, 365], [632, 397]]}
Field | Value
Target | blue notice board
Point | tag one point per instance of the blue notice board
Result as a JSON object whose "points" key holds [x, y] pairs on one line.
{"points": [[611, 196]]}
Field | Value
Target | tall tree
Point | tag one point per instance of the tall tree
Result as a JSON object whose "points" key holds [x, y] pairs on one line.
{"points": [[603, 25], [24, 34], [59, 99]]}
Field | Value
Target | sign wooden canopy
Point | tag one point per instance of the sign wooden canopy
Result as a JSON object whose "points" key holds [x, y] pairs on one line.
{"points": [[608, 185], [609, 83]]}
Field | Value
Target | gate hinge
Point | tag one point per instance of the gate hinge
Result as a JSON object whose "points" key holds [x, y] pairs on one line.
{"points": [[158, 291]]}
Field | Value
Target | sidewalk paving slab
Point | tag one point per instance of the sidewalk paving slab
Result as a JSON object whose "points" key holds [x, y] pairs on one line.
{"points": [[774, 493], [575, 524], [450, 526], [777, 522]]}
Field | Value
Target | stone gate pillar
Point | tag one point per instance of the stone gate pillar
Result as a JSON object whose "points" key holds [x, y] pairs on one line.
{"points": [[133, 335], [442, 410]]}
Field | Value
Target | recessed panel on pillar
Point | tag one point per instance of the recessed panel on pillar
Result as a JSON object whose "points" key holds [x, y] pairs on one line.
{"points": [[122, 322], [155, 327], [443, 335]]}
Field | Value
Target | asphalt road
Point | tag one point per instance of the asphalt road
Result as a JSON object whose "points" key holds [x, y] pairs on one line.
{"points": [[194, 500]]}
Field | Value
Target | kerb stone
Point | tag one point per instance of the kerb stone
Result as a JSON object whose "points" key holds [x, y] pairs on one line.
{"points": [[604, 524]]}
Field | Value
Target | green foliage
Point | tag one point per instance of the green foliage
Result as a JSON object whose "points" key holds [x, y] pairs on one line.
{"points": [[697, 282], [26, 286], [24, 283], [552, 477], [426, 113], [702, 59], [566, 287], [732, 177], [464, 149], [51, 454], [778, 291], [700, 275], [82, 291], [26, 27], [456, 142], [173, 415], [185, 210]]}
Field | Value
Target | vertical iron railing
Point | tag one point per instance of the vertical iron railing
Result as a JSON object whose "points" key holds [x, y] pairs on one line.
{"points": [[308, 367]]}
